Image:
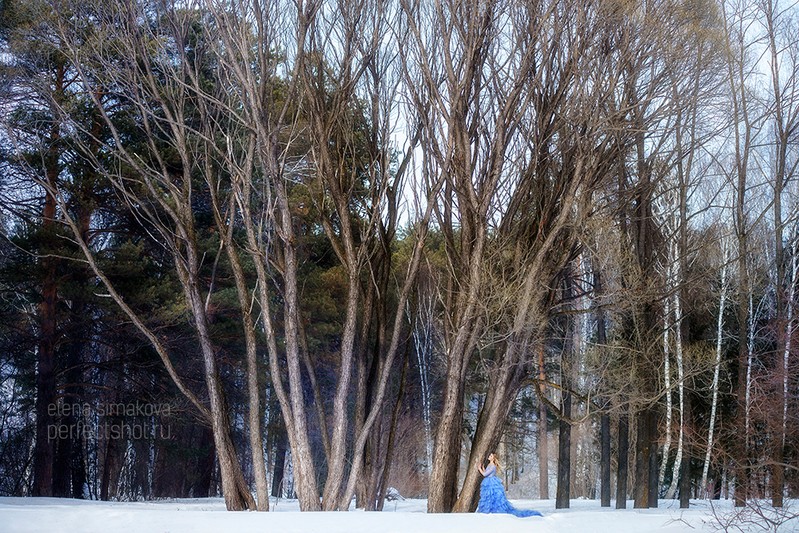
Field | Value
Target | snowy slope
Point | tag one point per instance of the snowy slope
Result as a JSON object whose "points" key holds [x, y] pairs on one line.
{"points": [[209, 515]]}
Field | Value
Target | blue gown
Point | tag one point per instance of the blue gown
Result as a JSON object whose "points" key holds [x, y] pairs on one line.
{"points": [[493, 499]]}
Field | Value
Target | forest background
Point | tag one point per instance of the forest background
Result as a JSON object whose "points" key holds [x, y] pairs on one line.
{"points": [[318, 249]]}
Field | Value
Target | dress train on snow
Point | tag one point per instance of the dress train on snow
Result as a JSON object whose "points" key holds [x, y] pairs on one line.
{"points": [[493, 499]]}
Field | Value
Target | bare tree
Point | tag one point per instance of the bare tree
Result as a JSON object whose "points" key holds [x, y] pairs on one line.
{"points": [[119, 70], [784, 117], [735, 21], [341, 100]]}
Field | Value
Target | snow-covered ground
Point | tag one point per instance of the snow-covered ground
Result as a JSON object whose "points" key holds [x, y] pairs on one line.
{"points": [[209, 515]]}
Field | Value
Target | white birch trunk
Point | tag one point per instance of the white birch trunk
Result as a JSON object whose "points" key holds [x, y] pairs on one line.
{"points": [[751, 350], [788, 333], [680, 386], [717, 365], [423, 344], [667, 371]]}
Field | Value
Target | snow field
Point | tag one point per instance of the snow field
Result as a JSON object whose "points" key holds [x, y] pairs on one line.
{"points": [[19, 515]]}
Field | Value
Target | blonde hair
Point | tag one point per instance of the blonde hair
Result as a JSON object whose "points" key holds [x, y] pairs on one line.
{"points": [[497, 464]]}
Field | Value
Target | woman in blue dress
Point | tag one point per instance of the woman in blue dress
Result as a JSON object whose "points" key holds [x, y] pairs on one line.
{"points": [[492, 492]]}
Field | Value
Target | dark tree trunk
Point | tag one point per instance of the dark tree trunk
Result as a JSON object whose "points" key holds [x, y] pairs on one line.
{"points": [[205, 464], [163, 474], [69, 472], [44, 450], [652, 480], [685, 466], [604, 422], [367, 484], [605, 460], [62, 463], [80, 332], [372, 464], [643, 453], [78, 462], [447, 454], [281, 447], [564, 455], [621, 474], [111, 469], [234, 488]]}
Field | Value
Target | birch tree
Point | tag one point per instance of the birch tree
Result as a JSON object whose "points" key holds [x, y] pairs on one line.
{"points": [[725, 259]]}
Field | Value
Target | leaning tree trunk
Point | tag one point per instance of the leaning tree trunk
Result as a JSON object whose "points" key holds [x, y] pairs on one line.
{"points": [[490, 425], [447, 450], [234, 488]]}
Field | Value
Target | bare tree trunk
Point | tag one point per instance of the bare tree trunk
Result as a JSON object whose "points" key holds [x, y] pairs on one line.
{"points": [[447, 450], [302, 456], [784, 120], [644, 454], [645, 488], [604, 418], [685, 469], [604, 459], [543, 444], [234, 489], [253, 386], [564, 452], [446, 453], [621, 474], [742, 130], [490, 425], [254, 72]]}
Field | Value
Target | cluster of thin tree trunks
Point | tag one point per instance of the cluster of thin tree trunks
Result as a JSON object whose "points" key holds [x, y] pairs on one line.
{"points": [[399, 206]]}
